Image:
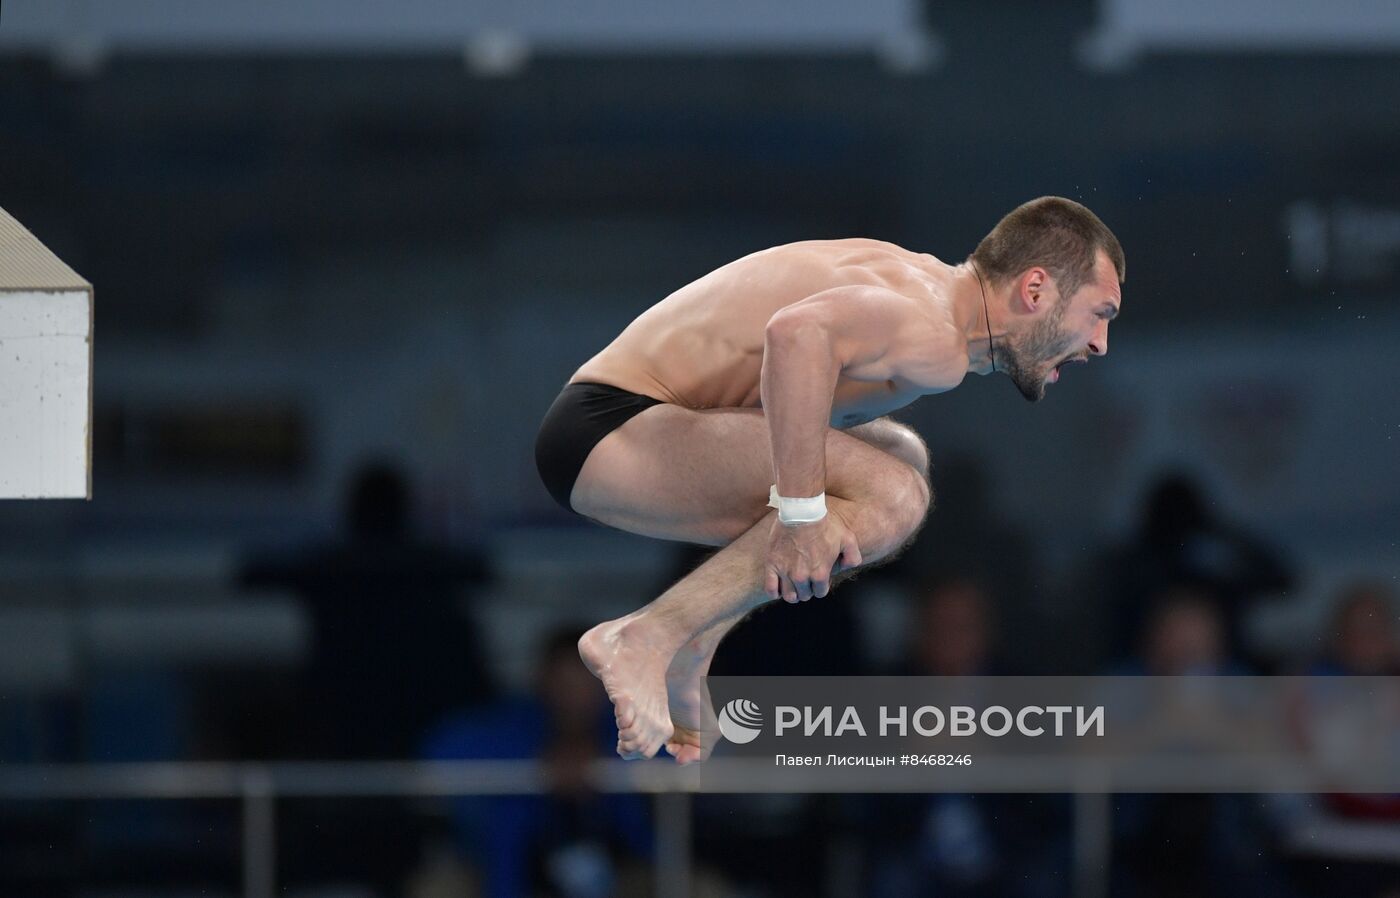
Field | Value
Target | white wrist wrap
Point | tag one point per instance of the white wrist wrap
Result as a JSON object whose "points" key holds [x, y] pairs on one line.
{"points": [[797, 511]]}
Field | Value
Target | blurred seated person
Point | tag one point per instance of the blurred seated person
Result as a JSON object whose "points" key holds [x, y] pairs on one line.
{"points": [[1181, 540], [391, 650], [972, 536], [1362, 638], [1184, 636], [953, 844], [1198, 845], [1362, 642], [951, 630], [573, 842]]}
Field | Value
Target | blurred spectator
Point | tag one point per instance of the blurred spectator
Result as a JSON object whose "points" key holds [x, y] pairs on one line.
{"points": [[1362, 642], [1181, 541], [1362, 635], [391, 650], [966, 535], [1185, 636], [952, 630], [1198, 845], [964, 845], [573, 842]]}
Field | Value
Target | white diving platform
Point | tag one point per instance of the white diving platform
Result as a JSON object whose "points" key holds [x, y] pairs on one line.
{"points": [[45, 371]]}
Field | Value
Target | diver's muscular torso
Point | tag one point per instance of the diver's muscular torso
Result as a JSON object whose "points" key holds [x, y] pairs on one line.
{"points": [[702, 346]]}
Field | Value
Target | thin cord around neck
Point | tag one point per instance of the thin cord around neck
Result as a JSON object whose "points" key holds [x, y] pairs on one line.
{"points": [[987, 315]]}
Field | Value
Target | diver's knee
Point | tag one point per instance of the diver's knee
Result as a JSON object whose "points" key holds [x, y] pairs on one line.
{"points": [[902, 501], [899, 440]]}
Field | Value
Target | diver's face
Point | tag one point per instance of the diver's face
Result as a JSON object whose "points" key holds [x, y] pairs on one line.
{"points": [[1063, 331]]}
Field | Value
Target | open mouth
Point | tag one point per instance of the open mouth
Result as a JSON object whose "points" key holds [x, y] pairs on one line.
{"points": [[1055, 372]]}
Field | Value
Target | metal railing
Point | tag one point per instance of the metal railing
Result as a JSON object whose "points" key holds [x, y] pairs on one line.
{"points": [[258, 786]]}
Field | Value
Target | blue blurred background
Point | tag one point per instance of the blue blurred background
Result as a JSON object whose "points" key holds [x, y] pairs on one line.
{"points": [[345, 254]]}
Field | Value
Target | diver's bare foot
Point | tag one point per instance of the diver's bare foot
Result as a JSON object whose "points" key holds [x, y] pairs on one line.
{"points": [[630, 656], [688, 695]]}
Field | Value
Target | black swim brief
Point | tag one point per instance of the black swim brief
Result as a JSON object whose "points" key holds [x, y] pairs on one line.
{"points": [[578, 420]]}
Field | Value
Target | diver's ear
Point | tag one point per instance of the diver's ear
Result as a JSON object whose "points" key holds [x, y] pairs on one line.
{"points": [[1033, 290]]}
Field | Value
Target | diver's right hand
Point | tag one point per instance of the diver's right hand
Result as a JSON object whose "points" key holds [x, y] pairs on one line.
{"points": [[802, 557]]}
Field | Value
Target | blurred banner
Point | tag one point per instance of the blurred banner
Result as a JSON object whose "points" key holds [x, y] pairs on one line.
{"points": [[1130, 27], [1058, 734], [434, 24]]}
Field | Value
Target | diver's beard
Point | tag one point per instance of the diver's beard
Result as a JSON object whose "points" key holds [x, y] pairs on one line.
{"points": [[1043, 345], [1031, 384]]}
